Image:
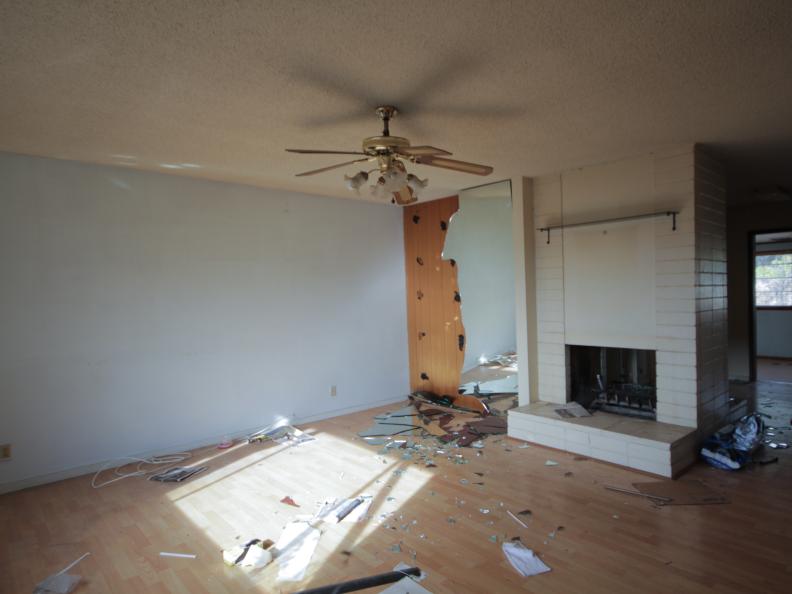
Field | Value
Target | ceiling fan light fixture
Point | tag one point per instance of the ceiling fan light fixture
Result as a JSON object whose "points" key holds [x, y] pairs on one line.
{"points": [[355, 182], [390, 153], [390, 180], [416, 183]]}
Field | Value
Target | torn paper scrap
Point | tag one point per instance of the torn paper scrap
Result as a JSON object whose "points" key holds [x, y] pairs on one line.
{"points": [[405, 586], [523, 559], [294, 550]]}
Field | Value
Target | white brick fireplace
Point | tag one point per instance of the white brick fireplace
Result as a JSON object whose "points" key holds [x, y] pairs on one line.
{"points": [[636, 284]]}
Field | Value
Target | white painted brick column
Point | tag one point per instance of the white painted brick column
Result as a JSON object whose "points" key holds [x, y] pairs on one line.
{"points": [[550, 290], [675, 288]]}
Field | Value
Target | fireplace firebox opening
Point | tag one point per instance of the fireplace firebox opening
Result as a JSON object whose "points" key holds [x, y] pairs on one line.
{"points": [[614, 380]]}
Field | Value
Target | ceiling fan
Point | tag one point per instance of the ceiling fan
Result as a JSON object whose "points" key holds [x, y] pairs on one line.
{"points": [[390, 153]]}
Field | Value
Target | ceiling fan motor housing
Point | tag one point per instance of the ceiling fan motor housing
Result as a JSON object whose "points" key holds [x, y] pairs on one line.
{"points": [[375, 145]]}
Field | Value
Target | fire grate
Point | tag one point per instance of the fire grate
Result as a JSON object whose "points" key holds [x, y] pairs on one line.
{"points": [[614, 380]]}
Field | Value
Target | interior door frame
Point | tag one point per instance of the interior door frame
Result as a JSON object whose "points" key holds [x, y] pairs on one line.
{"points": [[752, 296]]}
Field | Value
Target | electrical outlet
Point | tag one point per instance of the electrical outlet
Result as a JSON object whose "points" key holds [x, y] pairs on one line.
{"points": [[333, 392], [5, 452]]}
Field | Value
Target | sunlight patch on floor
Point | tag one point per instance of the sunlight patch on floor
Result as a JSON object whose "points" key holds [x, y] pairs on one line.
{"points": [[310, 473]]}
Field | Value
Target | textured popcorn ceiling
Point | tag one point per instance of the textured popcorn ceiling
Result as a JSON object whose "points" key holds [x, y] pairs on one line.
{"points": [[217, 89]]}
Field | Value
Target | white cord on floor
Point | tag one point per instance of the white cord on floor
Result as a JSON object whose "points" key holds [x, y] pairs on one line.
{"points": [[168, 459]]}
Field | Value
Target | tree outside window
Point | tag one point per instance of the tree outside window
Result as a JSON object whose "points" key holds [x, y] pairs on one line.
{"points": [[773, 279]]}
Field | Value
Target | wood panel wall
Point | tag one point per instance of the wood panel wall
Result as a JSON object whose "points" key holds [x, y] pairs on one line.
{"points": [[434, 319]]}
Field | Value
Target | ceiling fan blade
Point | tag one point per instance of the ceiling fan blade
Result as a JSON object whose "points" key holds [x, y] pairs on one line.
{"points": [[421, 151], [404, 196], [312, 172], [318, 152], [474, 168]]}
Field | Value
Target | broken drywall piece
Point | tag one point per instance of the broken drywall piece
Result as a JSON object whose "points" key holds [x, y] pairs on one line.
{"points": [[523, 559], [294, 550], [61, 582]]}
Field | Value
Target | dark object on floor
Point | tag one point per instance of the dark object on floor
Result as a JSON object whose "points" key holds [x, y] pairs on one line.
{"points": [[177, 474], [766, 462], [731, 447], [681, 492], [431, 397], [363, 583], [459, 402]]}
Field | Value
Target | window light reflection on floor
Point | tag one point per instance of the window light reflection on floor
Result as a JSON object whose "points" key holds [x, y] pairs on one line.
{"points": [[239, 497]]}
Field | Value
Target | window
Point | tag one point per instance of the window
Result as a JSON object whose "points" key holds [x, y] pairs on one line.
{"points": [[773, 279]]}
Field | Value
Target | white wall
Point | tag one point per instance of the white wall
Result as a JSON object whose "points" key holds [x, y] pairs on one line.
{"points": [[774, 333], [479, 238], [145, 312]]}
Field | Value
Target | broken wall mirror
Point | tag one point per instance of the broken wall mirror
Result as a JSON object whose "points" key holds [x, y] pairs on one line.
{"points": [[479, 241]]}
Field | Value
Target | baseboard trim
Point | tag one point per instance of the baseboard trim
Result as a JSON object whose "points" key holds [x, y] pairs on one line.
{"points": [[75, 471]]}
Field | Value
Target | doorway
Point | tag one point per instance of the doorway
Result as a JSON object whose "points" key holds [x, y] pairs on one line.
{"points": [[772, 305]]}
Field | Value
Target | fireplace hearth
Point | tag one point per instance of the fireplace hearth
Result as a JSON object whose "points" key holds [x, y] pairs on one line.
{"points": [[614, 380]]}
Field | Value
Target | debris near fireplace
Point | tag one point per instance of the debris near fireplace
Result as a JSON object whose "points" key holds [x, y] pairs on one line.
{"points": [[572, 410], [630, 399]]}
